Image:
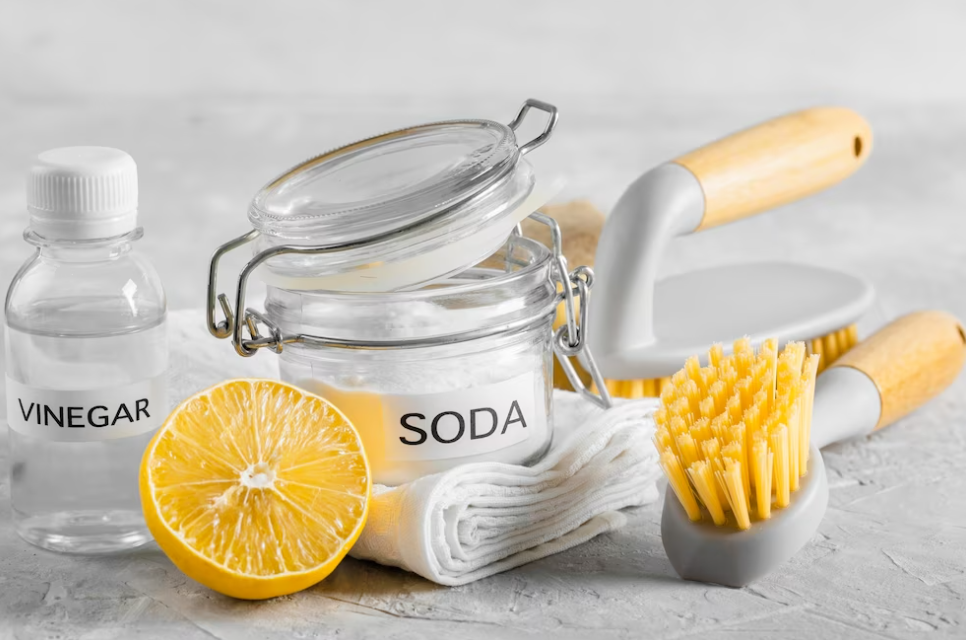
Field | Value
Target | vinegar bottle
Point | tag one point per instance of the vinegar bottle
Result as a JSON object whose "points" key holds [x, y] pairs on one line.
{"points": [[86, 356]]}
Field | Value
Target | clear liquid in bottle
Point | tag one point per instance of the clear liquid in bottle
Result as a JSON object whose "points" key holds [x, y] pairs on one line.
{"points": [[86, 361]]}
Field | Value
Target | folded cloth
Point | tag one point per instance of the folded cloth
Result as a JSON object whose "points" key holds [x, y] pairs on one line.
{"points": [[479, 519]]}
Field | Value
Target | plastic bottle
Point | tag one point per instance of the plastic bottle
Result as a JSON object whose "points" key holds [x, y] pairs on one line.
{"points": [[86, 356]]}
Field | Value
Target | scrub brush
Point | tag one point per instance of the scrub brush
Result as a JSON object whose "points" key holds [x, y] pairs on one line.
{"points": [[739, 439], [643, 329]]}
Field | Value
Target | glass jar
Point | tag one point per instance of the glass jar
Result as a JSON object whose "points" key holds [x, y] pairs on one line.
{"points": [[401, 290], [439, 396]]}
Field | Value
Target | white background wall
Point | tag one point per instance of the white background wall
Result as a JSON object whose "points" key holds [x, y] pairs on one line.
{"points": [[862, 50], [215, 98]]}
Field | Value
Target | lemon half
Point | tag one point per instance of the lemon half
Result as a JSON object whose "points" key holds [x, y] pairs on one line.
{"points": [[255, 488]]}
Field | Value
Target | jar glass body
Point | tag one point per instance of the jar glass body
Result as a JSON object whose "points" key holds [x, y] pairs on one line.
{"points": [[82, 318], [453, 373]]}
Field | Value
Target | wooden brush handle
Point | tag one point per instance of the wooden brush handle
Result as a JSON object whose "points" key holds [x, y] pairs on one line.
{"points": [[911, 361], [778, 162]]}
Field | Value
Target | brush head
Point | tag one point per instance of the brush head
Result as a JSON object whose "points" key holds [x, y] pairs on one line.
{"points": [[722, 304], [704, 552], [734, 442], [734, 436]]}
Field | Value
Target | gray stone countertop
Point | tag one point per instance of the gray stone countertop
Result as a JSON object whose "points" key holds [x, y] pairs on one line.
{"points": [[889, 560]]}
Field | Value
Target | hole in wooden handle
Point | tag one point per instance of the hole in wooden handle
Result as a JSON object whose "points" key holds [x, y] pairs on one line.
{"points": [[857, 146], [962, 334]]}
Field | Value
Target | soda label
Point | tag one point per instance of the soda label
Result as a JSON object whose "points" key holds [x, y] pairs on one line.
{"points": [[466, 422], [89, 414]]}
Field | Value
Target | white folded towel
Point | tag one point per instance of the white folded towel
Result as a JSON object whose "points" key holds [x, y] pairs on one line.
{"points": [[478, 519]]}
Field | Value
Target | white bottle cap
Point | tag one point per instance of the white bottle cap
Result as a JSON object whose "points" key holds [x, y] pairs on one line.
{"points": [[82, 193]]}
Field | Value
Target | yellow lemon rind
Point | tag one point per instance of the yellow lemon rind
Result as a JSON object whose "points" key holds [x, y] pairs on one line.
{"points": [[214, 575]]}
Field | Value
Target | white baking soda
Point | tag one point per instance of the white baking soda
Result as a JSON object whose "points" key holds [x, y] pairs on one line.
{"points": [[426, 410]]}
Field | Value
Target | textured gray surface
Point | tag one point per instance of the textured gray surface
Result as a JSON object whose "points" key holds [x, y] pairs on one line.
{"points": [[210, 116]]}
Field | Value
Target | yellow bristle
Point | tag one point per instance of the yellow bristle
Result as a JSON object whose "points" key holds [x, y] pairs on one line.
{"points": [[794, 353], [720, 426], [679, 378], [730, 480], [752, 418], [710, 376], [734, 409], [634, 389], [761, 474], [792, 421], [693, 394], [808, 400], [677, 425], [668, 395], [707, 408], [712, 455], [815, 347], [682, 409], [830, 348], [744, 391], [715, 355], [701, 430], [756, 378], [687, 449], [692, 366], [702, 478], [660, 417], [613, 387], [768, 386], [711, 448], [778, 445], [663, 439], [771, 422], [728, 371], [744, 362], [742, 345], [740, 428], [744, 356], [836, 338], [678, 480], [735, 450], [719, 392], [769, 351], [736, 435]]}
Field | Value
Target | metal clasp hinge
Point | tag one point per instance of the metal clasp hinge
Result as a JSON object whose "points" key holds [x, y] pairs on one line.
{"points": [[569, 340], [551, 111]]}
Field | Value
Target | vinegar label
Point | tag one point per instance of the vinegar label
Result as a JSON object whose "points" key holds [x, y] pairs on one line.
{"points": [[87, 415], [466, 422]]}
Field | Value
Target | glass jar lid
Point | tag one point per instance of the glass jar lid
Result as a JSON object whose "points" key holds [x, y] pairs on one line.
{"points": [[399, 209], [385, 183]]}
